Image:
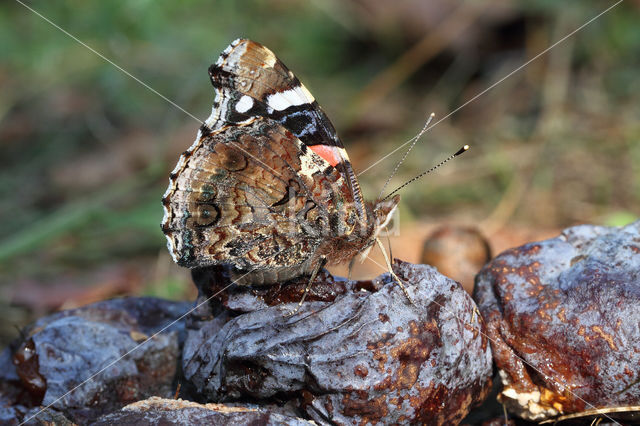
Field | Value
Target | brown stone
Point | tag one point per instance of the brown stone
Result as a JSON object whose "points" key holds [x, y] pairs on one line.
{"points": [[563, 316]]}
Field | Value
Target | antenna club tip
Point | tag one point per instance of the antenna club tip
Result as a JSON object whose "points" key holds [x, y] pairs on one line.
{"points": [[461, 150]]}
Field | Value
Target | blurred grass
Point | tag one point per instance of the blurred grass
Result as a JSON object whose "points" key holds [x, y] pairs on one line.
{"points": [[85, 150]]}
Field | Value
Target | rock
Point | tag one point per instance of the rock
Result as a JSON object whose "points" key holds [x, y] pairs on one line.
{"points": [[155, 411], [356, 351], [563, 316], [363, 356], [458, 252], [213, 285], [59, 352], [38, 416], [499, 421]]}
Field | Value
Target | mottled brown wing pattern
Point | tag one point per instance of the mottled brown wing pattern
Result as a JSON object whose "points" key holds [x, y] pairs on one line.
{"points": [[267, 187], [252, 195]]}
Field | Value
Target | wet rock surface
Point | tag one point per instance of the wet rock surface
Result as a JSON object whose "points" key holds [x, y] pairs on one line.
{"points": [[58, 352], [356, 351], [213, 286], [154, 411], [365, 356], [570, 308]]}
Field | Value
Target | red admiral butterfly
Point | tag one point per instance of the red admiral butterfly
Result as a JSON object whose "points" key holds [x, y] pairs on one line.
{"points": [[267, 187]]}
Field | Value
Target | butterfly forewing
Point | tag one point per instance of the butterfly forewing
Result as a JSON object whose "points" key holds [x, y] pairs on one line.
{"points": [[251, 81]]}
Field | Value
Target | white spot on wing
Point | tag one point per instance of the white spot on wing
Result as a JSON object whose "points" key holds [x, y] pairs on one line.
{"points": [[244, 104], [280, 101], [307, 166]]}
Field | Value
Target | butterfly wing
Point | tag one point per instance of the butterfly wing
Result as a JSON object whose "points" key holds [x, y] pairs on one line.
{"points": [[251, 81], [254, 196]]}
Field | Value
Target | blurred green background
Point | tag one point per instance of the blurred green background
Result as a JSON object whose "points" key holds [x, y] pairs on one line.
{"points": [[86, 150]]}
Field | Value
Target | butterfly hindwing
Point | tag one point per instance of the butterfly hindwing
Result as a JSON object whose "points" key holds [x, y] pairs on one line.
{"points": [[254, 196]]}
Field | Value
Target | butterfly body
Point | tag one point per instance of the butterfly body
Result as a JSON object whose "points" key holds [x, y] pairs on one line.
{"points": [[267, 187]]}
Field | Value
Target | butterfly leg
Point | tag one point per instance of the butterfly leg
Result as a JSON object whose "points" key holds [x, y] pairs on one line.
{"points": [[351, 264], [393, 274], [314, 274]]}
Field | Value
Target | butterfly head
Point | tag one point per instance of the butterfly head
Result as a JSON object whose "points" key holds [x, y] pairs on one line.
{"points": [[382, 212]]}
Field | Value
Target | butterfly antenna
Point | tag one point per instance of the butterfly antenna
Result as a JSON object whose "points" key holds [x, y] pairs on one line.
{"points": [[414, 140], [451, 157]]}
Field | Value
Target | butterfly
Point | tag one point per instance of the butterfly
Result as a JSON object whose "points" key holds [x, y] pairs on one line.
{"points": [[267, 187]]}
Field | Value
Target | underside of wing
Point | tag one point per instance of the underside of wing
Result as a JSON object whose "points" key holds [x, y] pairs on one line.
{"points": [[251, 81], [254, 196]]}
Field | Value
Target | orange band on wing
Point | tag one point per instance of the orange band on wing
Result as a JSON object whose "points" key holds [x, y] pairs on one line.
{"points": [[329, 153]]}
